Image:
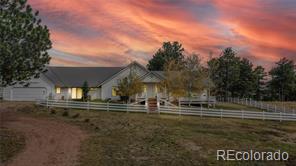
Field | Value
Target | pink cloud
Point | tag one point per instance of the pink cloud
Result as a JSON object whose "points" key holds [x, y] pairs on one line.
{"points": [[123, 30]]}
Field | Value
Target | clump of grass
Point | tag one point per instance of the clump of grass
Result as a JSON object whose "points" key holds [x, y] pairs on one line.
{"points": [[76, 115], [86, 120], [65, 113], [26, 108], [92, 124], [53, 111], [11, 143]]}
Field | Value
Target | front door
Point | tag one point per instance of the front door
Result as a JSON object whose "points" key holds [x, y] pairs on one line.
{"points": [[151, 91]]}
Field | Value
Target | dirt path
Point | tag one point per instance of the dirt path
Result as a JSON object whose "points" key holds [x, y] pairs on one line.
{"points": [[48, 142]]}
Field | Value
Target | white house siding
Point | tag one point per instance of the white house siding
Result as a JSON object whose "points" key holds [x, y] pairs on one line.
{"points": [[39, 88], [107, 86], [64, 94], [95, 93]]}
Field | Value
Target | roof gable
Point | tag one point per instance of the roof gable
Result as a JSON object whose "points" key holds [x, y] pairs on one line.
{"points": [[151, 77], [133, 64]]}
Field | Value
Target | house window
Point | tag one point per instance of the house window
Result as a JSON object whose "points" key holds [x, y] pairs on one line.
{"points": [[58, 90], [145, 88], [76, 93], [114, 91]]}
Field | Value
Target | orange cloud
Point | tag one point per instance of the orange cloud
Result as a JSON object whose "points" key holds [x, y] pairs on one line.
{"points": [[103, 32]]}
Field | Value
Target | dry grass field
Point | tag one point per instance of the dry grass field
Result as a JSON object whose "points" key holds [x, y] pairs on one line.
{"points": [[118, 138]]}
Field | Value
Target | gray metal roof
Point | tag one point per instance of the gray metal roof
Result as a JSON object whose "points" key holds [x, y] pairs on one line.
{"points": [[75, 76], [160, 73]]}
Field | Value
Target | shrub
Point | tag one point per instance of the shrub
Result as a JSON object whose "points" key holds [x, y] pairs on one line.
{"points": [[26, 108], [76, 115], [86, 120], [53, 111], [65, 113]]}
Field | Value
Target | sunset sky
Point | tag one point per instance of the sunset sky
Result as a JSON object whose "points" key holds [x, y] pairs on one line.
{"points": [[115, 32]]}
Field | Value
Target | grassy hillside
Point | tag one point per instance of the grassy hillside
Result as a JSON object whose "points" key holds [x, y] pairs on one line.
{"points": [[290, 105]]}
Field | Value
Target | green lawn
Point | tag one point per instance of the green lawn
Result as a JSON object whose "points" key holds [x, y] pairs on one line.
{"points": [[152, 139]]}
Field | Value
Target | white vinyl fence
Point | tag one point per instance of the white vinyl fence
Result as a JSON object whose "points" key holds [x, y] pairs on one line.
{"points": [[261, 105], [194, 111]]}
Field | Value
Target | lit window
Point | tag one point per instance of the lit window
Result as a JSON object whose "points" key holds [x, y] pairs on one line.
{"points": [[58, 90], [73, 95], [79, 93], [144, 88], [114, 91], [76, 93]]}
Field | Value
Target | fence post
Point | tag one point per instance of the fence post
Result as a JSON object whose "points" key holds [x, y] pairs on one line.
{"points": [[221, 113], [88, 105], [243, 114], [280, 116], [108, 106], [201, 112], [263, 114], [47, 102]]}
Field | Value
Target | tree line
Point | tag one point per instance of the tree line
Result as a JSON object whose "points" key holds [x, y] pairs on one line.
{"points": [[229, 75]]}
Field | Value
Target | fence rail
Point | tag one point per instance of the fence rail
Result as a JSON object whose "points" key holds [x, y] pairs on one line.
{"points": [[194, 111], [261, 105]]}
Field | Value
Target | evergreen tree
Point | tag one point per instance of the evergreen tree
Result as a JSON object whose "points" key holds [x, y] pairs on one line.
{"points": [[23, 43], [85, 91], [260, 82], [245, 86], [225, 72], [169, 51], [282, 85]]}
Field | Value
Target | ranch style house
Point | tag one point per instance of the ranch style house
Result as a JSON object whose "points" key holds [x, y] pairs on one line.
{"points": [[64, 83]]}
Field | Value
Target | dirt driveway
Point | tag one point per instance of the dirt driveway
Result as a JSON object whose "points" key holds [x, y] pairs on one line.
{"points": [[48, 142]]}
